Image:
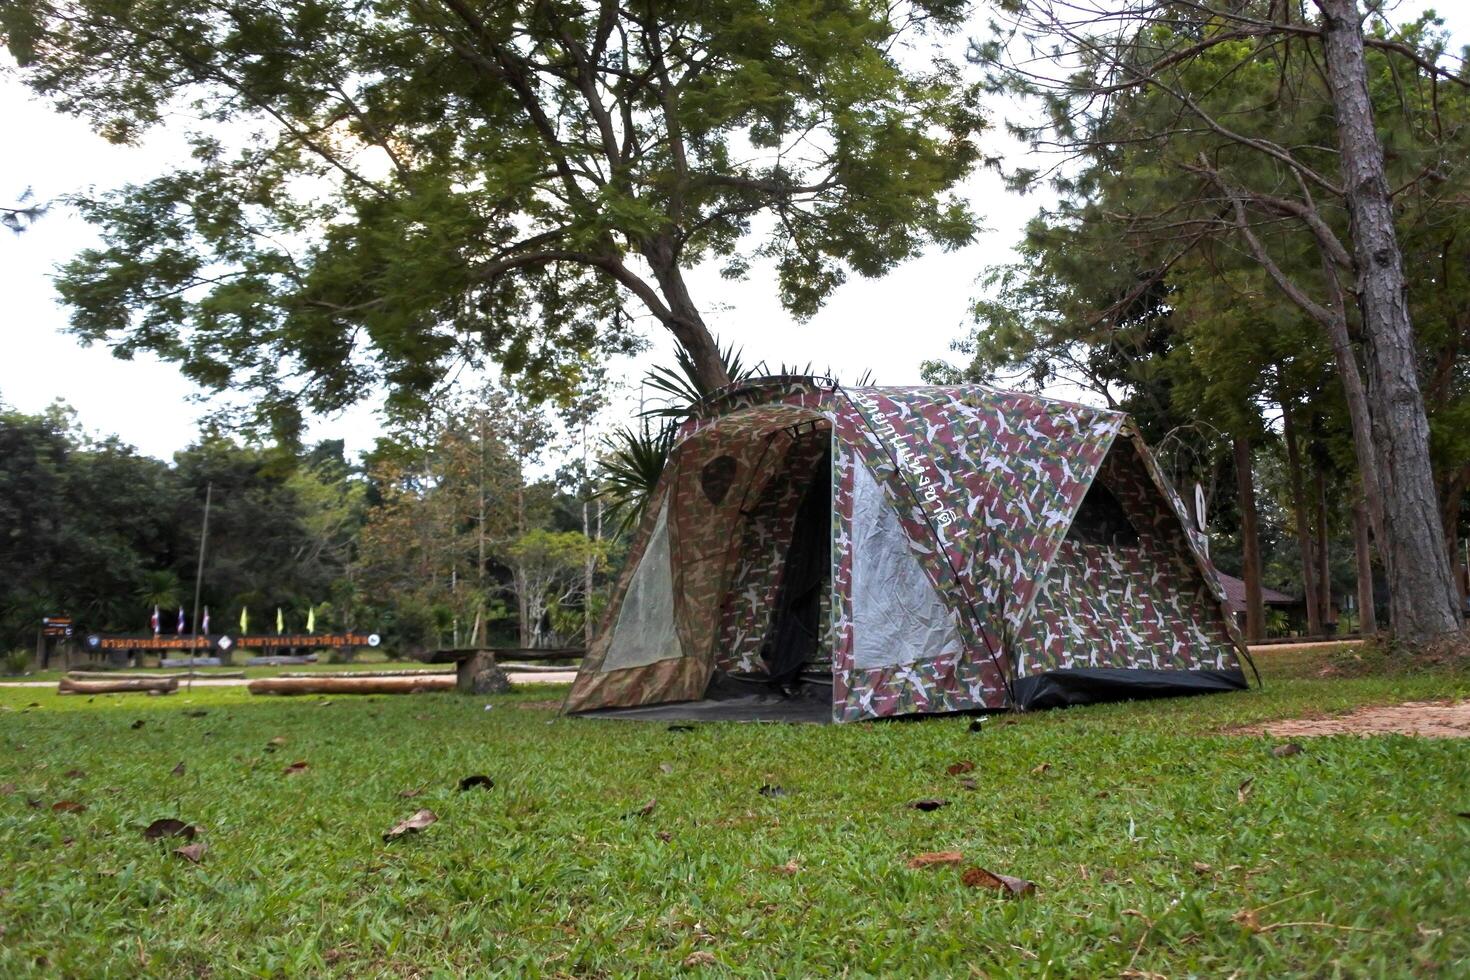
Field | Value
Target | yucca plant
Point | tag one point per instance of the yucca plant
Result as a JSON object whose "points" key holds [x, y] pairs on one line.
{"points": [[632, 462], [680, 383]]}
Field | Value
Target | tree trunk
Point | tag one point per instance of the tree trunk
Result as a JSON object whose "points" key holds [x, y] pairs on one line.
{"points": [[684, 320], [1250, 540], [1367, 614], [1423, 600], [589, 565], [526, 628], [1324, 570], [479, 638], [1359, 418], [1303, 523], [1450, 501]]}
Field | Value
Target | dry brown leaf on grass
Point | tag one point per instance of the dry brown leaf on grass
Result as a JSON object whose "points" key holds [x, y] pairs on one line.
{"points": [[644, 810], [1282, 751], [300, 765], [1038, 770], [169, 827], [931, 858], [409, 794], [74, 774], [699, 957], [412, 825], [68, 806], [178, 770], [1243, 792], [977, 877], [8, 789], [961, 767], [193, 853], [1247, 919], [789, 868]]}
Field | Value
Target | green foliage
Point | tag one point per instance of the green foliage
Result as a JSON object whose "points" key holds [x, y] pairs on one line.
{"points": [[632, 462], [160, 588], [1355, 840], [682, 386], [104, 534], [16, 662], [429, 183], [1139, 284]]}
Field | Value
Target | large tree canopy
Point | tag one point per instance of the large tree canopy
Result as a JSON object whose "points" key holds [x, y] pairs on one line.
{"points": [[381, 190], [1261, 166]]}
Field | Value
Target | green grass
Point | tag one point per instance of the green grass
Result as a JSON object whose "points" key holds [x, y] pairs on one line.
{"points": [[546, 874]]}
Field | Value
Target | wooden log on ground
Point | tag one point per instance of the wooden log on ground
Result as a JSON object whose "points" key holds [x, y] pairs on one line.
{"points": [[327, 684], [432, 672], [95, 675], [121, 685]]}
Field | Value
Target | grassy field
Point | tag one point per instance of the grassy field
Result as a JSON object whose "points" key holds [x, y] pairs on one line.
{"points": [[1159, 845]]}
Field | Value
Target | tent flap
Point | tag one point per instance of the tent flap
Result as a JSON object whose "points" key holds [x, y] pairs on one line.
{"points": [[897, 616]]}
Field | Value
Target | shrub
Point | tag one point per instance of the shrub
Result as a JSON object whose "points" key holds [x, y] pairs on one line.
{"points": [[16, 662]]}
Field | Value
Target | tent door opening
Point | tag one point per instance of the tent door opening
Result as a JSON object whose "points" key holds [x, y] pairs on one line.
{"points": [[793, 642]]}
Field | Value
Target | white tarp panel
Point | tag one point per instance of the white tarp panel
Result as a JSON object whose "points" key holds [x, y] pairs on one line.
{"points": [[644, 633], [897, 617]]}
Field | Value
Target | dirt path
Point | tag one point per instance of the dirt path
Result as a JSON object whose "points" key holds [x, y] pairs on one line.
{"points": [[516, 677], [1427, 719]]}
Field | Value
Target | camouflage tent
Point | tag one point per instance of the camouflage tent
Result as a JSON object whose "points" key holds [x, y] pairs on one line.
{"points": [[891, 551]]}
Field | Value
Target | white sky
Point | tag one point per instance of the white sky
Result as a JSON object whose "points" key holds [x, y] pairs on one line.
{"points": [[888, 326]]}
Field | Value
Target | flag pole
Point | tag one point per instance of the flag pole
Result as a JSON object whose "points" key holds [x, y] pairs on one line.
{"points": [[199, 580]]}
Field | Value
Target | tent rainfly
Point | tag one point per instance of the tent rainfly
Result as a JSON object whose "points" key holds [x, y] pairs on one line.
{"points": [[818, 552]]}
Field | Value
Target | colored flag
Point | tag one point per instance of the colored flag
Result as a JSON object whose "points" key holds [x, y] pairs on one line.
{"points": [[244, 620], [280, 622], [206, 620], [311, 619], [154, 621], [180, 628]]}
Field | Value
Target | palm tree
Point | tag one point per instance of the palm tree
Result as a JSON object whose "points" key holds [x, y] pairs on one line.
{"points": [[160, 589], [632, 463]]}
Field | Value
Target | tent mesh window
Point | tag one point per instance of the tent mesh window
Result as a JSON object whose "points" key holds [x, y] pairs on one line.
{"points": [[1101, 520]]}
